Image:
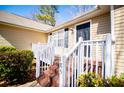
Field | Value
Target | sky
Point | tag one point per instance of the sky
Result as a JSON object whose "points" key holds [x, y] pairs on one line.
{"points": [[65, 11]]}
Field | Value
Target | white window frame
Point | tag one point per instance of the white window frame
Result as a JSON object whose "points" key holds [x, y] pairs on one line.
{"points": [[84, 23], [57, 38]]}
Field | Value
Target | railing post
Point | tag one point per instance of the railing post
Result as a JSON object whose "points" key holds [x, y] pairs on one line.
{"points": [[62, 72], [108, 63], [37, 62], [80, 39], [37, 67], [79, 57], [49, 39]]}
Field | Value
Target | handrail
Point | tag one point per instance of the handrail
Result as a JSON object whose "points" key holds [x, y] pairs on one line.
{"points": [[73, 49], [88, 41], [81, 41]]}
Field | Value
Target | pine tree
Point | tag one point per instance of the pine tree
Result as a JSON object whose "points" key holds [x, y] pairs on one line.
{"points": [[47, 14]]}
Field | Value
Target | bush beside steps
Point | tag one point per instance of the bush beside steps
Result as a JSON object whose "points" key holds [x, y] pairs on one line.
{"points": [[92, 80], [15, 65]]}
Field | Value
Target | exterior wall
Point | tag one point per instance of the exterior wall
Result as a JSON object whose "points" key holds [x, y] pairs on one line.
{"points": [[100, 26], [4, 42], [21, 38], [119, 38]]}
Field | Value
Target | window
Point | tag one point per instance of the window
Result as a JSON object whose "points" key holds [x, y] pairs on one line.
{"points": [[60, 38], [83, 30]]}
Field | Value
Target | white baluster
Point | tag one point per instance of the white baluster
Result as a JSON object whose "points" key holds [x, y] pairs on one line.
{"points": [[91, 58], [96, 58], [37, 63], [72, 60], [69, 72], [62, 72], [75, 73], [82, 57], [103, 60], [86, 58]]}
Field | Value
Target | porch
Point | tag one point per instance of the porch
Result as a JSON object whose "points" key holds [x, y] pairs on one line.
{"points": [[84, 57]]}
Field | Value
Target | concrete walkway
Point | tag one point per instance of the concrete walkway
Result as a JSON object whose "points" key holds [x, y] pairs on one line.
{"points": [[30, 84]]}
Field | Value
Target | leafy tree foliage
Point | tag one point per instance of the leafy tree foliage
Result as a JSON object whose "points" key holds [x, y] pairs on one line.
{"points": [[47, 14]]}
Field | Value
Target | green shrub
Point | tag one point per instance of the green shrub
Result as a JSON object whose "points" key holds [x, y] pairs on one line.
{"points": [[14, 65], [122, 76], [92, 80], [114, 81], [6, 48], [89, 80]]}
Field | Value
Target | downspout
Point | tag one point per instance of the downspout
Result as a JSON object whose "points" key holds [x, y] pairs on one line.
{"points": [[113, 40]]}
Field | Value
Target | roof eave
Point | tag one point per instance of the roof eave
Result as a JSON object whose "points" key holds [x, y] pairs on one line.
{"points": [[16, 20], [23, 27]]}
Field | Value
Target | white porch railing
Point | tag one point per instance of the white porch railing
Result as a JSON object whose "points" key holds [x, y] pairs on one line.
{"points": [[44, 54], [86, 56]]}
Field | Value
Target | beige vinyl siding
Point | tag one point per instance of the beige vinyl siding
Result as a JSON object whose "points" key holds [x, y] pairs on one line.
{"points": [[119, 37], [21, 38], [100, 27]]}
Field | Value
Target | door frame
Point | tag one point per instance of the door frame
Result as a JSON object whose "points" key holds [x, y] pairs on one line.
{"points": [[84, 23]]}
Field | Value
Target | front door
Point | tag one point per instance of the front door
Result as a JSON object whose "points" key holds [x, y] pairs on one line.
{"points": [[83, 30]]}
